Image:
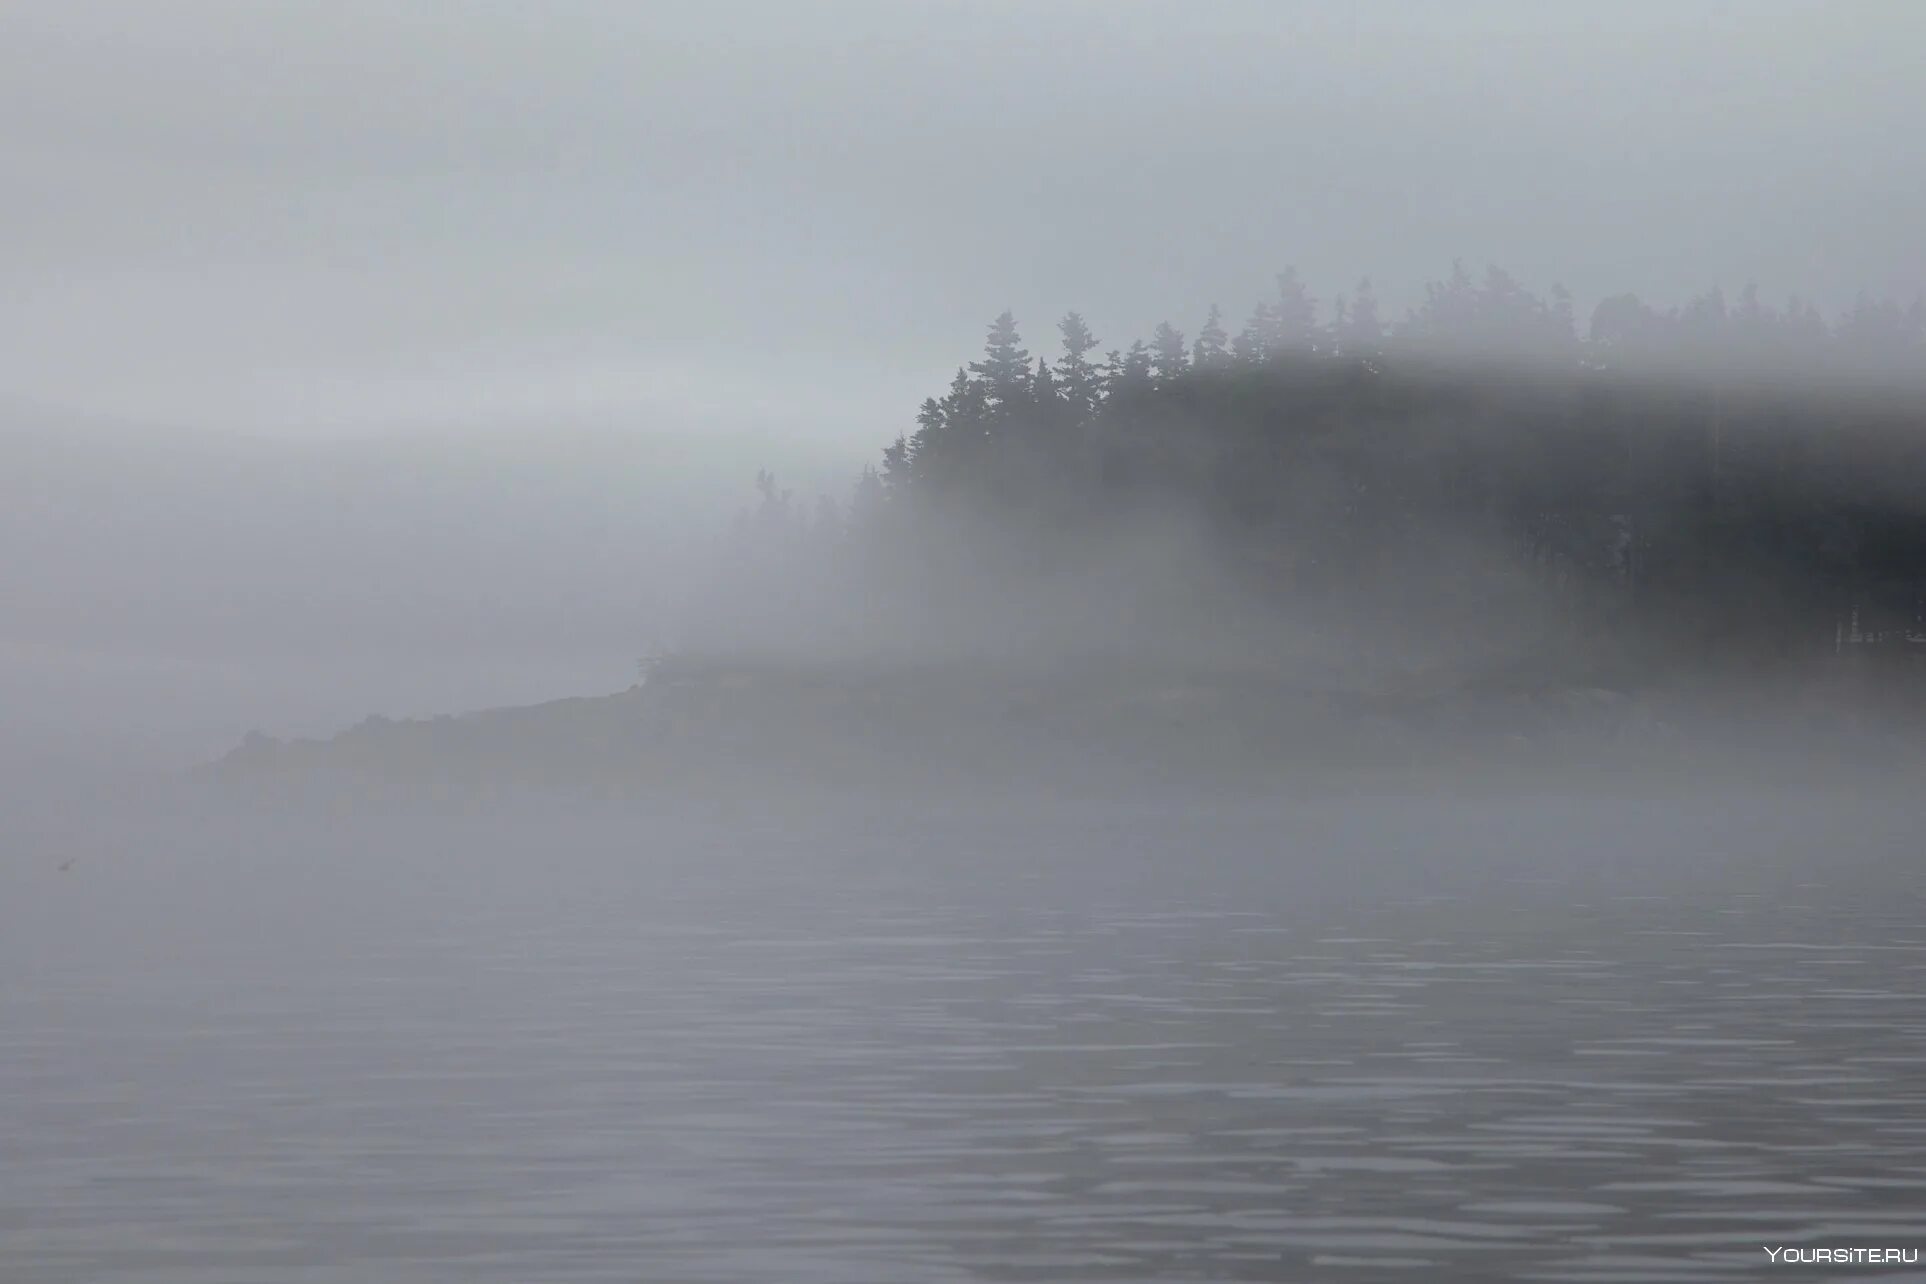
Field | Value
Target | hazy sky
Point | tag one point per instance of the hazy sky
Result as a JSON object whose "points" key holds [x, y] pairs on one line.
{"points": [[344, 214]]}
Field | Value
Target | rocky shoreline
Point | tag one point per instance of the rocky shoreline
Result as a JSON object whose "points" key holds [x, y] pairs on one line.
{"points": [[719, 725]]}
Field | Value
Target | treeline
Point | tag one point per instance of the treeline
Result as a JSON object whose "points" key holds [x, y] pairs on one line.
{"points": [[1729, 480]]}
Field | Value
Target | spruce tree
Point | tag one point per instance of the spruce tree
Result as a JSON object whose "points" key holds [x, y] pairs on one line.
{"points": [[1294, 315], [1127, 370], [1043, 386], [1168, 357], [1563, 324], [1005, 368], [1211, 351], [1362, 332], [899, 459], [871, 495], [1256, 343], [1078, 378]]}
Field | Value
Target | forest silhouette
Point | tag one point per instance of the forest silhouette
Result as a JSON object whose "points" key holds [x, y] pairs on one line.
{"points": [[1681, 541], [1729, 485]]}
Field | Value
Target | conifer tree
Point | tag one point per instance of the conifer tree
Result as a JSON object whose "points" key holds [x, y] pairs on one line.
{"points": [[1294, 315], [1078, 378], [1211, 351], [1256, 343], [1168, 357], [1005, 367], [900, 462], [1128, 369], [1450, 313], [870, 498], [1362, 331], [1562, 329], [1043, 385]]}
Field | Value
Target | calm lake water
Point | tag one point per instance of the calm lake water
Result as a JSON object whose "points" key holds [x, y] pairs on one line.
{"points": [[1358, 1039]]}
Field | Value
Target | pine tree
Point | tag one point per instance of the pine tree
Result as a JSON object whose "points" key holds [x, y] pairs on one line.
{"points": [[777, 523], [901, 463], [1124, 371], [1295, 313], [948, 433], [1363, 333], [1563, 324], [1210, 351], [1043, 386], [1450, 313], [1256, 343], [1005, 368], [1168, 358], [870, 497], [1624, 327], [1077, 376], [1509, 318], [1878, 333], [1702, 324]]}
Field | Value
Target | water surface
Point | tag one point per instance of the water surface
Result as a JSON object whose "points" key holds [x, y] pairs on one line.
{"points": [[1360, 1039]]}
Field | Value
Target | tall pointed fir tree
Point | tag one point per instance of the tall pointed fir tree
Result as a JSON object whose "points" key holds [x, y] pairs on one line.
{"points": [[1005, 367], [949, 434], [903, 458], [1561, 319], [1450, 315], [871, 497], [1128, 370], [1256, 343], [1363, 331], [1043, 385], [1078, 377], [1168, 356], [1354, 330], [1047, 445], [1211, 351], [1294, 314]]}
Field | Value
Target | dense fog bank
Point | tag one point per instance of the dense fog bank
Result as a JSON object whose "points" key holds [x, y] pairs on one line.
{"points": [[168, 590]]}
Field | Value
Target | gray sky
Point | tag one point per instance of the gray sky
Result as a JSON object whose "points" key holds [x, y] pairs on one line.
{"points": [[344, 215]]}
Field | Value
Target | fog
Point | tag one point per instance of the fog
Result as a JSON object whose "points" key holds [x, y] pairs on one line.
{"points": [[964, 641], [308, 218], [1479, 1036], [754, 237], [174, 589]]}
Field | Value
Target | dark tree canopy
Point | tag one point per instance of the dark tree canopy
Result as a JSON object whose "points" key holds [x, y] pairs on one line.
{"points": [[1735, 479]]}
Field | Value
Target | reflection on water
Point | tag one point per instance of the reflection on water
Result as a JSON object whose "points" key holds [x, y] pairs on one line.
{"points": [[1070, 1052]]}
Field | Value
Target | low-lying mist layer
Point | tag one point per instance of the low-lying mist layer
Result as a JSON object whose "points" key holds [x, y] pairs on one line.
{"points": [[1718, 488], [1476, 533]]}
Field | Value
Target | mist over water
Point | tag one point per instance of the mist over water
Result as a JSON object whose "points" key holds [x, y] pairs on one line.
{"points": [[1461, 1037], [551, 730], [177, 589]]}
